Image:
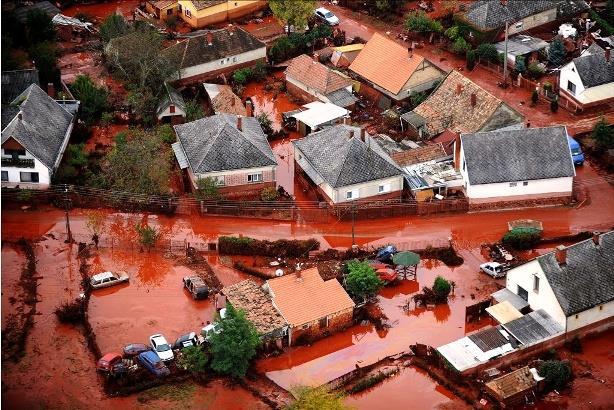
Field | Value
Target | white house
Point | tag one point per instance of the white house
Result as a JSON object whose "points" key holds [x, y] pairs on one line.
{"points": [[588, 80], [214, 53], [347, 165], [35, 132], [172, 107], [574, 285], [516, 165]]}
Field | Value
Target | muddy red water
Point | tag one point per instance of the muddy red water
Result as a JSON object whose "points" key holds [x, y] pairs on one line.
{"points": [[102, 10]]}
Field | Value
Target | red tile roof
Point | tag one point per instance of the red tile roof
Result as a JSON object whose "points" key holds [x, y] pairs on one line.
{"points": [[306, 70], [419, 155]]}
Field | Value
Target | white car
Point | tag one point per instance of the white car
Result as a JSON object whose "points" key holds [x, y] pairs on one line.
{"points": [[161, 347], [327, 16], [106, 279], [209, 330], [494, 269]]}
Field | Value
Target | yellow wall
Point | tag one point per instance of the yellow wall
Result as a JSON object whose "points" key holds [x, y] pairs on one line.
{"points": [[219, 13]]}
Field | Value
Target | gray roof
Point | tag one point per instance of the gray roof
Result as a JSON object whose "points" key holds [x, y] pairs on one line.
{"points": [[586, 280], [489, 339], [492, 14], [342, 160], [43, 126], [414, 119], [518, 155], [521, 44], [342, 98], [215, 144], [533, 327], [15, 82], [593, 68], [505, 294], [21, 13], [171, 96]]}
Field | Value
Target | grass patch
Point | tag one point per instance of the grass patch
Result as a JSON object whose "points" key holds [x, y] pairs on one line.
{"points": [[168, 392]]}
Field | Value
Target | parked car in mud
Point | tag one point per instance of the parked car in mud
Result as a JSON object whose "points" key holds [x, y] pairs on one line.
{"points": [[161, 347], [134, 349], [209, 330], [385, 254], [494, 269], [150, 361], [188, 340], [327, 16], [106, 279], [108, 362], [196, 286]]}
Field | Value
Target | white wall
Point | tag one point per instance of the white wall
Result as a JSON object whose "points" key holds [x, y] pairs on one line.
{"points": [[368, 189], [569, 73], [310, 90], [533, 187], [44, 177], [167, 112], [544, 298], [228, 63], [590, 316], [232, 177], [533, 21]]}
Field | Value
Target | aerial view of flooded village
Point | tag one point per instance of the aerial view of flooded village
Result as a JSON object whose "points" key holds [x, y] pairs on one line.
{"points": [[307, 204]]}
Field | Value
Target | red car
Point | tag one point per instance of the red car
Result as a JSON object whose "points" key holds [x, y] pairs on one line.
{"points": [[107, 362]]}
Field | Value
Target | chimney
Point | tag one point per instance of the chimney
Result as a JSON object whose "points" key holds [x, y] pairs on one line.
{"points": [[607, 54], [249, 108], [346, 120], [351, 134], [561, 255], [457, 147], [299, 275], [528, 124], [362, 134], [410, 51], [232, 102], [474, 99], [239, 123], [504, 2], [19, 116], [51, 90], [459, 88], [596, 238], [231, 29], [316, 59], [209, 38]]}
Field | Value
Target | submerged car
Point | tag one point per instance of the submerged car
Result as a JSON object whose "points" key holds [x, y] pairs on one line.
{"points": [[108, 362], [106, 279], [494, 269], [327, 16], [150, 361], [196, 286], [161, 347], [134, 349], [187, 340]]}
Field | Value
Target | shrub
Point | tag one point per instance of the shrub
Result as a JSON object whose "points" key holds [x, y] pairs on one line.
{"points": [[193, 359], [269, 194], [265, 122], [488, 52], [535, 70], [420, 22], [362, 281], [71, 312], [521, 66], [441, 288], [232, 245], [556, 52], [557, 373], [207, 189], [316, 398], [548, 86], [460, 46], [554, 105], [603, 134], [534, 97], [94, 100], [471, 54], [522, 238], [259, 71], [242, 76]]}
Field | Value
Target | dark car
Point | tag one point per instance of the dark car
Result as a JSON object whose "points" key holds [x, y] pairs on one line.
{"points": [[196, 286], [385, 254], [108, 362], [134, 349], [187, 340], [150, 361]]}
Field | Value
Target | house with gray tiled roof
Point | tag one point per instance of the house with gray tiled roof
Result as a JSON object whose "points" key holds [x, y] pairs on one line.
{"points": [[346, 164], [573, 284], [34, 139], [588, 80], [233, 150], [516, 165], [172, 106]]}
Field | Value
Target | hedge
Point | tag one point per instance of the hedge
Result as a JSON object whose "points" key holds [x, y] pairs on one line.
{"points": [[232, 245], [522, 238]]}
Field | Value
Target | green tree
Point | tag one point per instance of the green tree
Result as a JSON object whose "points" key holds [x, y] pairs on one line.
{"points": [[139, 163], [207, 189], [362, 281], [521, 66], [113, 26], [317, 398], [94, 100], [242, 76], [557, 52], [556, 372], [265, 122], [522, 238], [420, 22], [39, 26], [603, 134], [535, 70], [554, 105], [487, 52], [293, 13], [45, 57], [148, 235], [460, 46], [471, 57], [193, 359], [534, 97], [269, 194], [193, 111], [235, 345], [441, 288]]}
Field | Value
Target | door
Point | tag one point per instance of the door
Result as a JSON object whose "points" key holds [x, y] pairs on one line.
{"points": [[523, 293]]}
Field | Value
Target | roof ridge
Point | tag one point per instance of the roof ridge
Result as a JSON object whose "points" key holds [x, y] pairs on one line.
{"points": [[345, 155], [213, 137]]}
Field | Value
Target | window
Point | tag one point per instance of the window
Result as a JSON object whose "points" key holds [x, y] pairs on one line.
{"points": [[171, 109], [519, 24], [323, 322], [513, 184], [219, 180], [254, 177], [222, 62], [14, 152], [571, 87], [5, 175], [535, 283], [169, 12], [577, 316], [188, 13], [601, 307], [234, 59], [523, 293], [383, 188], [525, 183], [351, 194], [28, 176], [464, 166]]}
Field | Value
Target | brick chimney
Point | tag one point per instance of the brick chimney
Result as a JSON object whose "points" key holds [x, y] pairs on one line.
{"points": [[504, 2], [239, 123], [474, 99], [19, 115], [299, 275], [232, 102], [410, 51], [346, 120], [561, 255], [459, 89], [51, 90], [209, 38], [363, 134], [596, 238], [457, 148], [249, 108], [608, 51], [351, 134]]}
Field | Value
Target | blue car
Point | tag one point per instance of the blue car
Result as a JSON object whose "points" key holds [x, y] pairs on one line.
{"points": [[152, 362], [576, 151], [385, 254]]}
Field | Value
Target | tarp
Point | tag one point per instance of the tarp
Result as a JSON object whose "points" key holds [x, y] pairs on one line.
{"points": [[319, 113], [503, 312], [406, 259], [62, 20]]}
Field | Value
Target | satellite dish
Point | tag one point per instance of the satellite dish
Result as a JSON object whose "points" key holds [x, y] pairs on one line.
{"points": [[279, 272]]}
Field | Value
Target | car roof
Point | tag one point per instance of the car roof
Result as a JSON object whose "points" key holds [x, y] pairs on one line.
{"points": [[158, 336], [150, 355], [323, 10], [110, 356], [102, 275], [186, 336]]}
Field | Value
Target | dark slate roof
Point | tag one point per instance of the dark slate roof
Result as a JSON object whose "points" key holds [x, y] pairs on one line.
{"points": [[215, 144], [489, 339], [342, 161], [492, 14], [42, 127], [533, 327], [342, 98], [21, 13], [593, 68], [518, 155], [15, 82], [586, 280], [225, 43], [171, 96]]}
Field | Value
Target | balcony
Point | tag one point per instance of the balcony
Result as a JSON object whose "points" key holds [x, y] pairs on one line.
{"points": [[18, 162]]}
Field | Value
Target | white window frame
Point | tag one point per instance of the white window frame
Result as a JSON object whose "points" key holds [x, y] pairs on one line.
{"points": [[353, 194], [513, 184], [384, 188], [535, 283], [188, 13], [21, 174], [7, 176], [254, 178]]}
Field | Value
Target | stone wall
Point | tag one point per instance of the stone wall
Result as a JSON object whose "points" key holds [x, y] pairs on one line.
{"points": [[336, 322]]}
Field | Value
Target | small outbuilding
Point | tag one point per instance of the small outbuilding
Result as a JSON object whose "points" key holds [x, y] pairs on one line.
{"points": [[172, 107], [516, 388]]}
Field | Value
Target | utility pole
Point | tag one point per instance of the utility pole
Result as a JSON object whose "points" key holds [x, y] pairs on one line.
{"points": [[505, 57], [353, 220], [66, 203]]}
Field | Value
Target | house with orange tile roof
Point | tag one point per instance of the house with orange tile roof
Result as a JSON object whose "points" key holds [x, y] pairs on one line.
{"points": [[392, 72], [311, 306]]}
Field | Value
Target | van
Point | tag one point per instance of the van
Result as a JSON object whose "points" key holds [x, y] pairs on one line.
{"points": [[576, 151]]}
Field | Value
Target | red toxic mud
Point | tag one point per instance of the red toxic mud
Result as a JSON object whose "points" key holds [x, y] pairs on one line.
{"points": [[13, 262], [103, 10]]}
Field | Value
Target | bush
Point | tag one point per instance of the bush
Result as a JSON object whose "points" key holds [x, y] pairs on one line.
{"points": [[487, 52], [470, 56], [554, 105], [94, 100], [534, 97], [557, 374], [420, 22], [259, 71], [522, 238], [317, 398], [556, 52], [441, 288], [521, 66], [232, 245], [242, 76], [460, 46], [193, 359], [603, 134], [269, 194], [71, 312], [548, 86], [362, 281], [207, 189], [535, 70], [265, 123]]}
